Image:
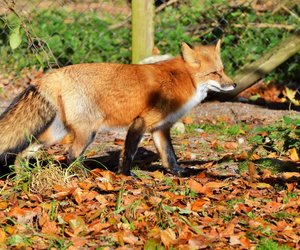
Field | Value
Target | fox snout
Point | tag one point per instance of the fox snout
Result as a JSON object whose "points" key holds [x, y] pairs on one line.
{"points": [[227, 87]]}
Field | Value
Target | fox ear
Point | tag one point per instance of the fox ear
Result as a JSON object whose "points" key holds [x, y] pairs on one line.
{"points": [[218, 46], [188, 55]]}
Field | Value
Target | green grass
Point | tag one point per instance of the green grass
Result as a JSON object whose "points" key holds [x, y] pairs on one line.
{"points": [[220, 128], [267, 244]]}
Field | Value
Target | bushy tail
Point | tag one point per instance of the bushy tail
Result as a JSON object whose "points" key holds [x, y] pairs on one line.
{"points": [[26, 117]]}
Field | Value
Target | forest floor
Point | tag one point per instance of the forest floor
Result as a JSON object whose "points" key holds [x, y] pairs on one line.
{"points": [[240, 194]]}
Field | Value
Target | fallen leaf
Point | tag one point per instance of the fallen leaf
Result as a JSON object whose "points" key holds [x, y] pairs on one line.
{"points": [[198, 204], [119, 141], [78, 225], [50, 228], [77, 194], [168, 237], [129, 238], [216, 185], [96, 227], [290, 176], [2, 237], [294, 154], [105, 186], [196, 186], [198, 242], [187, 120], [231, 145], [3, 205]]}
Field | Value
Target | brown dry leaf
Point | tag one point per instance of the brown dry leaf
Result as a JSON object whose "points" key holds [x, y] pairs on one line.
{"points": [[119, 141], [290, 176], [16, 212], [291, 186], [129, 238], [2, 238], [196, 186], [272, 207], [24, 215], [242, 156], [50, 228], [242, 208], [198, 242], [168, 237], [229, 230], [78, 243], [101, 199], [294, 154], [43, 219], [59, 158], [266, 174], [105, 186], [77, 194], [86, 185], [187, 120], [254, 157], [198, 204], [291, 235], [158, 175], [3, 205], [216, 185], [214, 144], [78, 225], [231, 145], [61, 195], [234, 240], [297, 220], [272, 155], [96, 227], [245, 242]]}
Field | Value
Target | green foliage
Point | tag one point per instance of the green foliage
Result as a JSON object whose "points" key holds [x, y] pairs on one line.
{"points": [[279, 137], [222, 128], [267, 244], [72, 37]]}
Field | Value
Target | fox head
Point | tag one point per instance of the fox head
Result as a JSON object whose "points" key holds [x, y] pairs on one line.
{"points": [[206, 68]]}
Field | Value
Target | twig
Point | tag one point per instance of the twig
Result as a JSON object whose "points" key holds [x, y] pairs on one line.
{"points": [[265, 25]]}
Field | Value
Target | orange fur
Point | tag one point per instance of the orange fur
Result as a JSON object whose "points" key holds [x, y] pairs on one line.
{"points": [[86, 97]]}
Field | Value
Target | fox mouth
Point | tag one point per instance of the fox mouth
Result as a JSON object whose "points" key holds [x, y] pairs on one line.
{"points": [[221, 87]]}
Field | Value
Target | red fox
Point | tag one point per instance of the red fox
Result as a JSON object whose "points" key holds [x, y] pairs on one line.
{"points": [[80, 99]]}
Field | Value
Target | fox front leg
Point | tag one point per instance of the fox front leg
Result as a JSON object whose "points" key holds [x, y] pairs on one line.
{"points": [[163, 144], [133, 138]]}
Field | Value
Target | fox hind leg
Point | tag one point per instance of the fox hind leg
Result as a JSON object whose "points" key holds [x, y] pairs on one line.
{"points": [[82, 138], [133, 138]]}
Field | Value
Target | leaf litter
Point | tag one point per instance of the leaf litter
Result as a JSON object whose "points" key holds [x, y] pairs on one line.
{"points": [[232, 200]]}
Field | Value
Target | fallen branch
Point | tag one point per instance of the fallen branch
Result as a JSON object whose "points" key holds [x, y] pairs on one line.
{"points": [[265, 25], [252, 72]]}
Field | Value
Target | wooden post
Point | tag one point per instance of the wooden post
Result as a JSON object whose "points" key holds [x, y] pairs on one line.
{"points": [[142, 29], [252, 72]]}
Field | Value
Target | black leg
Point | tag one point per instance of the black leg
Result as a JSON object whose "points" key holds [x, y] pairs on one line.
{"points": [[133, 138], [163, 144]]}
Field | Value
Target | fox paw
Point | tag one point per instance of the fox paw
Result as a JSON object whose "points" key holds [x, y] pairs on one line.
{"points": [[180, 172]]}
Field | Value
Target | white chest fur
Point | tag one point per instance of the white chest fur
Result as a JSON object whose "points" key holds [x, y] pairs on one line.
{"points": [[199, 95]]}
